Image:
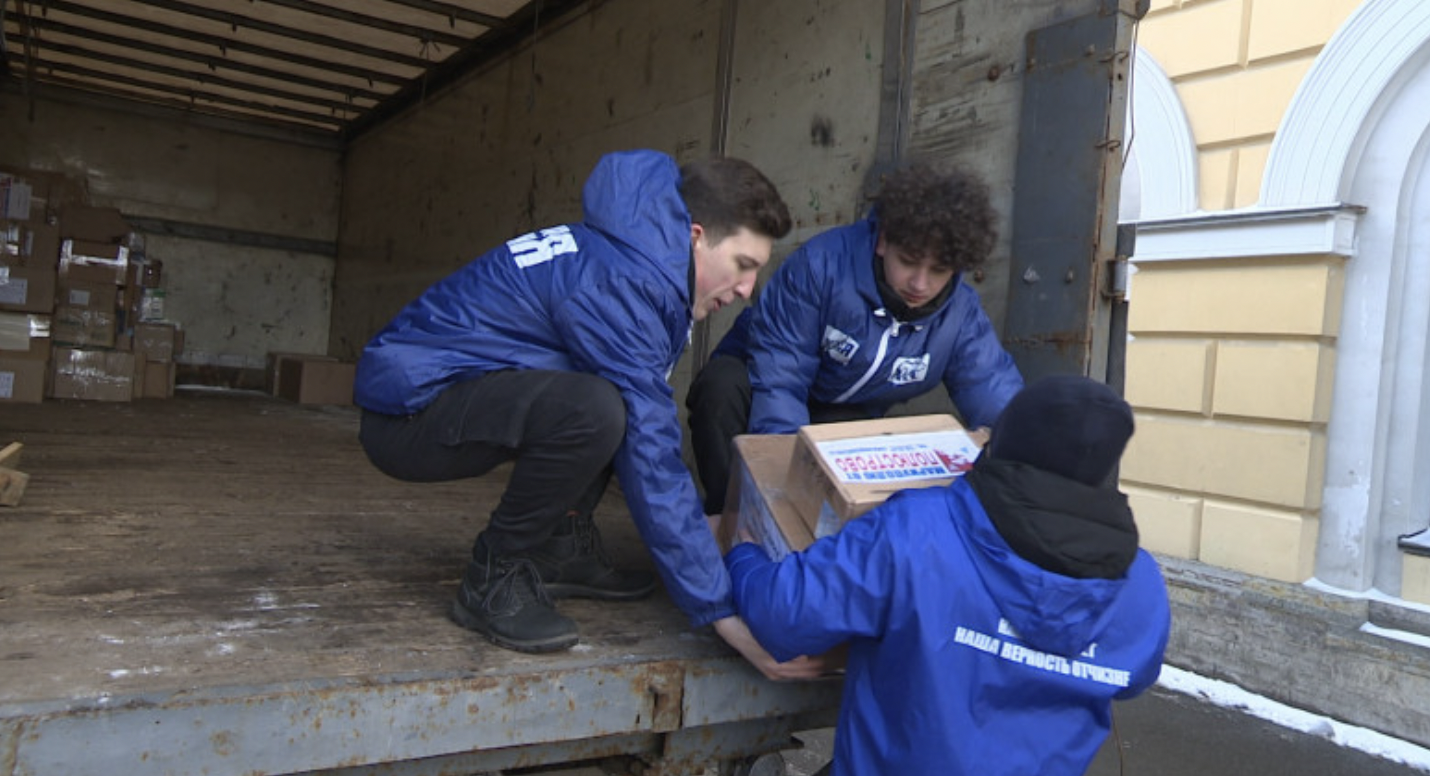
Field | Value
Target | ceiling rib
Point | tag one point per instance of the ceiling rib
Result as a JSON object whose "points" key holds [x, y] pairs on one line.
{"points": [[238, 20], [332, 69], [455, 12], [419, 34], [190, 95], [199, 77], [213, 63], [225, 44]]}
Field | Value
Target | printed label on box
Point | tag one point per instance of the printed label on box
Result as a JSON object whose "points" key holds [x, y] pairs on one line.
{"points": [[13, 290], [7, 385], [900, 457], [79, 297]]}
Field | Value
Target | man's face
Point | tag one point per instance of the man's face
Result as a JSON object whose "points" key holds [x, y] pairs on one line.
{"points": [[916, 279], [726, 269]]}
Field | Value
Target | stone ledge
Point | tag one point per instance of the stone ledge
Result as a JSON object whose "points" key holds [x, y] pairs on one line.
{"points": [[1301, 646]]}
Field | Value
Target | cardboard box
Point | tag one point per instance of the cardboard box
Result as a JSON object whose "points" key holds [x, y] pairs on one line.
{"points": [[30, 245], [156, 380], [90, 296], [97, 375], [155, 341], [275, 365], [27, 289], [757, 494], [24, 335], [92, 262], [84, 327], [22, 380], [839, 471], [49, 192], [316, 381], [15, 195]]}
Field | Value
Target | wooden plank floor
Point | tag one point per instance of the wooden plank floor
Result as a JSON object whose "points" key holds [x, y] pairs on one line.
{"points": [[225, 539]]}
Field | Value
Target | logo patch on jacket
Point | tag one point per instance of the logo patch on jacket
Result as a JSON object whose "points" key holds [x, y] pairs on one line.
{"points": [[909, 370], [541, 246], [839, 346]]}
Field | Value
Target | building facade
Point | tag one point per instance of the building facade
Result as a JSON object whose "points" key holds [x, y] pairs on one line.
{"points": [[1279, 309]]}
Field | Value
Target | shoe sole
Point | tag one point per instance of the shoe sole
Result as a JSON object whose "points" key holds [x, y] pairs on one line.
{"points": [[466, 619], [559, 590]]}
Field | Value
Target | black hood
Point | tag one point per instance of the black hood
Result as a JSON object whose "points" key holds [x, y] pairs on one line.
{"points": [[1059, 525], [1047, 481], [1069, 425]]}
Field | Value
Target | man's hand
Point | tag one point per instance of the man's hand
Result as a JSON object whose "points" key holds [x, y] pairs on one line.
{"points": [[735, 633], [980, 435]]}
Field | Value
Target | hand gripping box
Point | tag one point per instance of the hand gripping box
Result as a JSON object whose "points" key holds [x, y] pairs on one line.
{"points": [[839, 471]]}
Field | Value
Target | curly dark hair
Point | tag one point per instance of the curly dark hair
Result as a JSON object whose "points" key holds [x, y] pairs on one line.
{"points": [[725, 193], [947, 215]]}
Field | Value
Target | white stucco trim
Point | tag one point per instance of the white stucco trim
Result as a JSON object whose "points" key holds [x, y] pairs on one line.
{"points": [[1254, 232], [1374, 485], [1325, 129], [1160, 173]]}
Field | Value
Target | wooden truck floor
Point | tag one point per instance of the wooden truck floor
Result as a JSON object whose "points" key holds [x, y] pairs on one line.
{"points": [[220, 583]]}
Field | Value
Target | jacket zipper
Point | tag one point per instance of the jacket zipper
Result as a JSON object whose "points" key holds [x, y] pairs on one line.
{"points": [[892, 331]]}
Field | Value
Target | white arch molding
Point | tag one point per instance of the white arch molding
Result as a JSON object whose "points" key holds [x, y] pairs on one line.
{"points": [[1326, 126], [1159, 175], [1357, 132]]}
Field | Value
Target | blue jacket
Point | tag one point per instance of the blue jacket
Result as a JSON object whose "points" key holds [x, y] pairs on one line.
{"points": [[964, 658], [608, 296], [820, 332]]}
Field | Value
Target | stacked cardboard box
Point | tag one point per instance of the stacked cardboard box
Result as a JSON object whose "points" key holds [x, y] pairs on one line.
{"points": [[792, 489], [24, 356], [92, 359], [80, 273], [29, 255]]}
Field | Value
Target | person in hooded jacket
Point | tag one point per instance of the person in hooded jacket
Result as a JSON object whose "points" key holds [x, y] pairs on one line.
{"points": [[990, 623], [858, 319], [552, 351]]}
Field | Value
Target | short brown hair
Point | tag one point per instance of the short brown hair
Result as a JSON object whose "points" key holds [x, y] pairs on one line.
{"points": [[945, 215], [724, 194]]}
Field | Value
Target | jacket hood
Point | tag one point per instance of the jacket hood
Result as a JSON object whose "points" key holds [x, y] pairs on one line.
{"points": [[1051, 611], [634, 198]]}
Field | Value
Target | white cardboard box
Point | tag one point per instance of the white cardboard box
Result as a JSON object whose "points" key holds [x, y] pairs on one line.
{"points": [[839, 471]]}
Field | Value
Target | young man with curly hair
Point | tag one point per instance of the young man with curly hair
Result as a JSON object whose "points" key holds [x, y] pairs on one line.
{"points": [[858, 319], [551, 351]]}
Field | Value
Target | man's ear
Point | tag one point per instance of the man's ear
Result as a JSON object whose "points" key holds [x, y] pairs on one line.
{"points": [[880, 245], [696, 232]]}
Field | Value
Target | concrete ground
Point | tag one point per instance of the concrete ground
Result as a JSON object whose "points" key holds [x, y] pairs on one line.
{"points": [[1165, 733]]}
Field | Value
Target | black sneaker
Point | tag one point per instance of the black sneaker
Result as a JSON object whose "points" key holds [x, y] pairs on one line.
{"points": [[505, 601], [573, 564]]}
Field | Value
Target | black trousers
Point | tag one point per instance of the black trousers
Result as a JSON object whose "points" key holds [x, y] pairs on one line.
{"points": [[560, 429], [719, 404]]}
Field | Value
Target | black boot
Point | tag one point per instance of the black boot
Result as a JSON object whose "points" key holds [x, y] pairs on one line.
{"points": [[503, 599], [573, 564]]}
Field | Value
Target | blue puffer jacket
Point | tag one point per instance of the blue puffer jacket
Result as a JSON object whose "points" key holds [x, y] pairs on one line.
{"points": [[964, 658], [608, 296], [820, 333]]}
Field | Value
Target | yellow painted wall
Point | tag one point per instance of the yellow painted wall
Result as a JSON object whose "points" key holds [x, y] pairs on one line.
{"points": [[1236, 65], [1231, 361], [1230, 370]]}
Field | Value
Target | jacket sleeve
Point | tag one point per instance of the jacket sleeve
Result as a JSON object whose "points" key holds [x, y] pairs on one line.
{"points": [[838, 588], [784, 342], [619, 332], [981, 377], [1156, 609]]}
